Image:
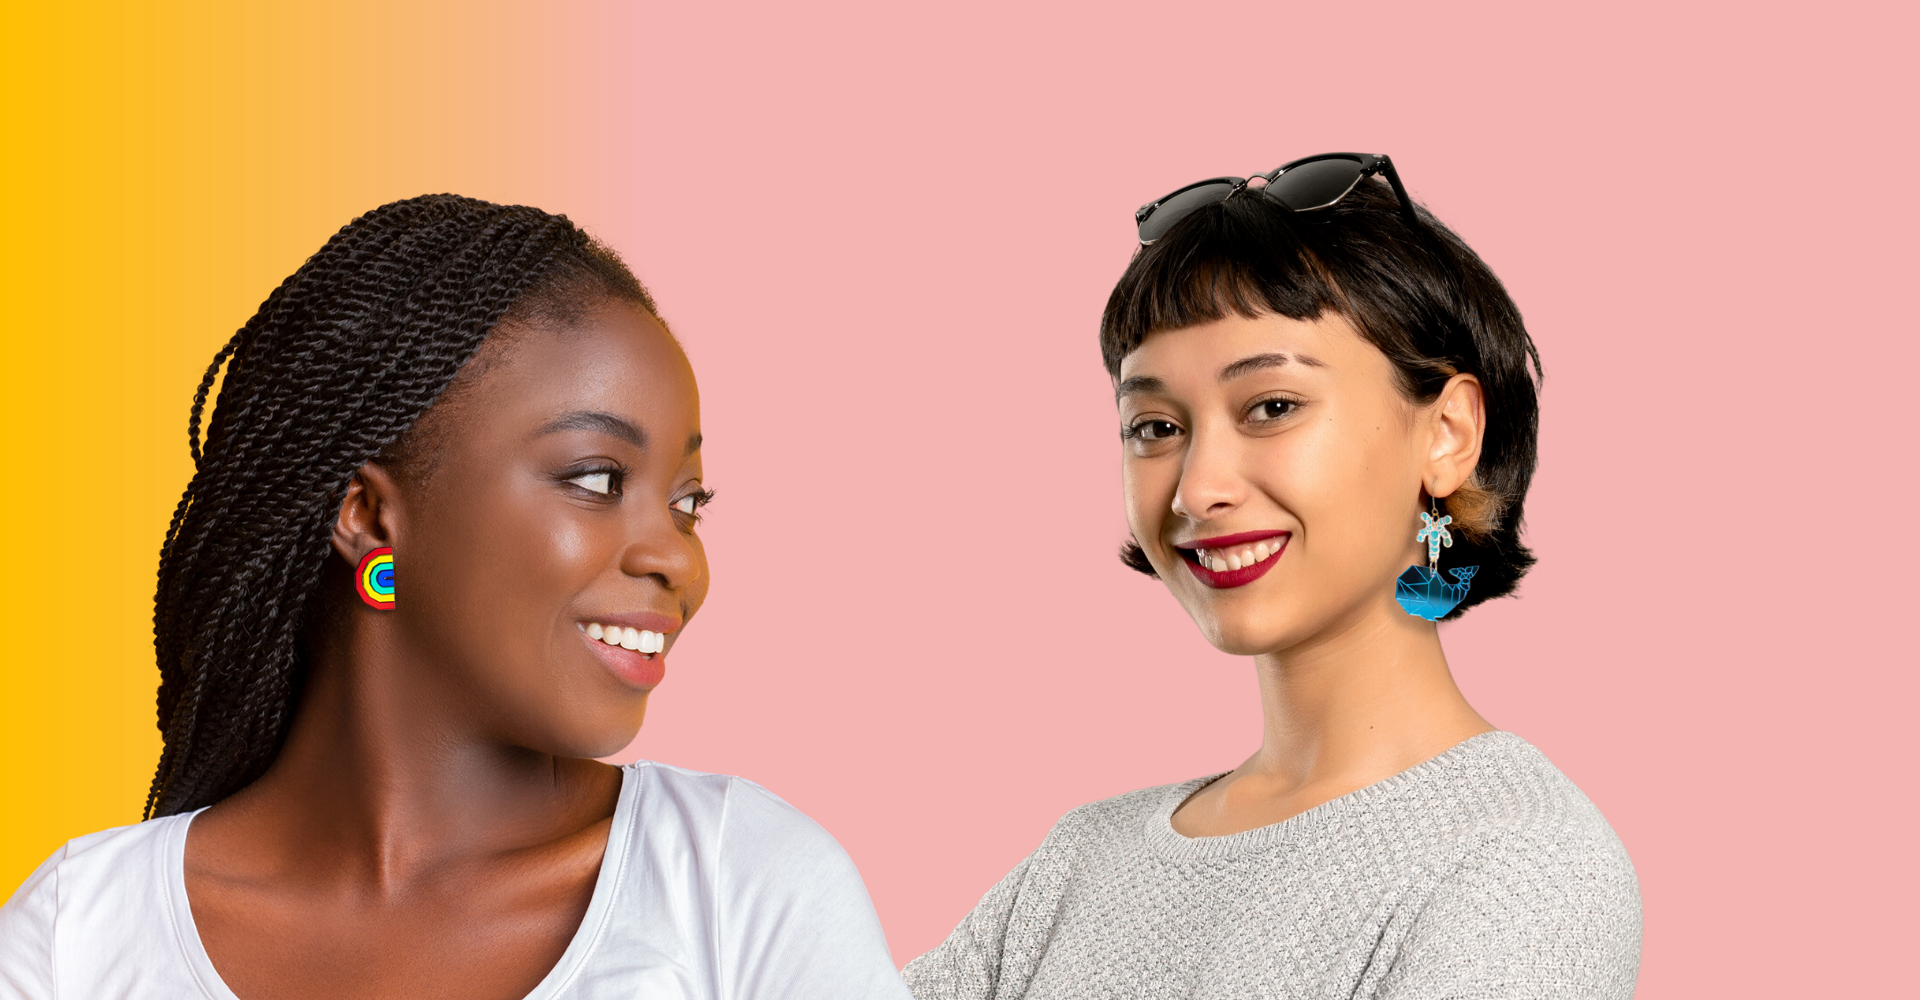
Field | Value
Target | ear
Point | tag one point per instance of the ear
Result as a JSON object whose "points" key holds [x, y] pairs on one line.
{"points": [[369, 516], [1456, 420]]}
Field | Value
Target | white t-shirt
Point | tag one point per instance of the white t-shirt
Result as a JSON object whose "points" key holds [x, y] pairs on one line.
{"points": [[712, 888]]}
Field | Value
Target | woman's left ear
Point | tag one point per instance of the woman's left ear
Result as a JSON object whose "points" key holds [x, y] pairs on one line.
{"points": [[369, 514], [1456, 420]]}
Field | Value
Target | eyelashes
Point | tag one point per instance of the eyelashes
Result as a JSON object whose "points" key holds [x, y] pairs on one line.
{"points": [[691, 503], [1273, 408], [1260, 411], [602, 481], [605, 484], [1149, 430]]}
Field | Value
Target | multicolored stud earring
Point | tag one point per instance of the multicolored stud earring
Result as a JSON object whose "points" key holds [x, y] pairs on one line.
{"points": [[374, 579], [1421, 590]]}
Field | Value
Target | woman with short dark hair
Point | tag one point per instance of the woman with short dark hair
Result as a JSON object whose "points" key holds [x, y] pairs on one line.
{"points": [[1327, 414]]}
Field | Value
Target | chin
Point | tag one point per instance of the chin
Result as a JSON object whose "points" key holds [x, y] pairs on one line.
{"points": [[1254, 627], [600, 733], [1240, 644], [1248, 635]]}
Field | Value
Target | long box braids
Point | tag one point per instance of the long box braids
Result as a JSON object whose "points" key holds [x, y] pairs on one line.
{"points": [[337, 365]]}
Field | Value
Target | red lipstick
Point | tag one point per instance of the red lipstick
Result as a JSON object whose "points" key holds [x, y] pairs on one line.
{"points": [[1228, 579]]}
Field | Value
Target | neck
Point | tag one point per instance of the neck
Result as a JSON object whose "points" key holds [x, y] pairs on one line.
{"points": [[1365, 700], [386, 775]]}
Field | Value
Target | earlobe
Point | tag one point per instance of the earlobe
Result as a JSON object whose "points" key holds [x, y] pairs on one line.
{"points": [[373, 579]]}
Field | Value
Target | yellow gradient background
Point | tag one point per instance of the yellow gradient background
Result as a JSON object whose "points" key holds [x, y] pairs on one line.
{"points": [[164, 170]]}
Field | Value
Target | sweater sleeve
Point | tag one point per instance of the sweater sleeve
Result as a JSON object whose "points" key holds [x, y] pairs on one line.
{"points": [[26, 934], [997, 948], [1528, 916]]}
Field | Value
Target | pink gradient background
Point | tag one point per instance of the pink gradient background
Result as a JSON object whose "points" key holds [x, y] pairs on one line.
{"points": [[886, 236], [885, 233]]}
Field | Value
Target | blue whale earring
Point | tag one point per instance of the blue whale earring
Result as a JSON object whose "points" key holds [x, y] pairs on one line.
{"points": [[1421, 590]]}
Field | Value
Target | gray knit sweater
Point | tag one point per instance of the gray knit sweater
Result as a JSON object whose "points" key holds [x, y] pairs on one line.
{"points": [[1482, 873]]}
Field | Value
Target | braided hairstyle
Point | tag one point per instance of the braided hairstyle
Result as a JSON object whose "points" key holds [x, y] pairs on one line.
{"points": [[334, 370]]}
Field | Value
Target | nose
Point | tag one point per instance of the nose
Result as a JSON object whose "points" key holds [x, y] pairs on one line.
{"points": [[659, 549], [1210, 481]]}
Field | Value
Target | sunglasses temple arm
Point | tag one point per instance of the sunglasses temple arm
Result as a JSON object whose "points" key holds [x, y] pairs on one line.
{"points": [[1400, 191]]}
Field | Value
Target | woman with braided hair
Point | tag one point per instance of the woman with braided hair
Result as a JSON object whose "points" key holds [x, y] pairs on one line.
{"points": [[439, 540]]}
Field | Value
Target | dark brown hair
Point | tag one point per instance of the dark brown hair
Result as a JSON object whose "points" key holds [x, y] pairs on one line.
{"points": [[1418, 293]]}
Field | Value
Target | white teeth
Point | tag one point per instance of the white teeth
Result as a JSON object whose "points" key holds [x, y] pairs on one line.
{"points": [[638, 640], [1239, 558]]}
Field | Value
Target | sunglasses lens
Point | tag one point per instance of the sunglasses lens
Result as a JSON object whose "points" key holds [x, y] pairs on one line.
{"points": [[1314, 185], [1180, 204]]}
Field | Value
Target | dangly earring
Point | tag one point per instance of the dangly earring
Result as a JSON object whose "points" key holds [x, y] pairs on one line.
{"points": [[1421, 590], [373, 579]]}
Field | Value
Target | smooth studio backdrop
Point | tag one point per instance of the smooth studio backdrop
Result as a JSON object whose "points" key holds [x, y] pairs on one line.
{"points": [[885, 233]]}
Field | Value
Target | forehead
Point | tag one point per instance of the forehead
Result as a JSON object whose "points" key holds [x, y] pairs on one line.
{"points": [[613, 342], [615, 359], [1205, 351]]}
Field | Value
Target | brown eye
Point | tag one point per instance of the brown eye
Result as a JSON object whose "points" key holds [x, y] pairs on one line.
{"points": [[1272, 409], [1153, 430], [594, 482], [691, 503]]}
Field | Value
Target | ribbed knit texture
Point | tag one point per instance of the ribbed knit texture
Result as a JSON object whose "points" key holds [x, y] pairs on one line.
{"points": [[1481, 873]]}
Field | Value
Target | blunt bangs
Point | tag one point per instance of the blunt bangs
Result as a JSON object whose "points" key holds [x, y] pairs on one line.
{"points": [[1420, 295]]}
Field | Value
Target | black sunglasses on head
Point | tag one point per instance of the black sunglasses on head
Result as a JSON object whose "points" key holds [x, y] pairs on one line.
{"points": [[1303, 185]]}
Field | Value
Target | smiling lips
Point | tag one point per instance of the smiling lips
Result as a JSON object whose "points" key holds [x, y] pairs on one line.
{"points": [[1233, 560], [635, 655]]}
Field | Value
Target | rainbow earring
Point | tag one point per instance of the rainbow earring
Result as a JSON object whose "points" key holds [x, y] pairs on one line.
{"points": [[1421, 590], [374, 579]]}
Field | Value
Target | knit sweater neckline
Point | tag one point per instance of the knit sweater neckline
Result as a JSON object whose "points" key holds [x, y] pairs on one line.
{"points": [[1167, 842]]}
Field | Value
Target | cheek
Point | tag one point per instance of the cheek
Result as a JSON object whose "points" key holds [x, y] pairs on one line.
{"points": [[505, 566], [1148, 489], [1351, 494], [696, 592]]}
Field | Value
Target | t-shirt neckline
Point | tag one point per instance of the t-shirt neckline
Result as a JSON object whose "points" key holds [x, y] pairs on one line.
{"points": [[613, 872], [1167, 842]]}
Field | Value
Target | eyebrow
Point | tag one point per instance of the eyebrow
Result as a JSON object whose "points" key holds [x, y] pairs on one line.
{"points": [[599, 422], [1139, 383], [1257, 362], [693, 444]]}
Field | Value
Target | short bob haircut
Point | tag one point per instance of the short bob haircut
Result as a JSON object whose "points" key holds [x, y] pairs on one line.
{"points": [[1419, 294]]}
